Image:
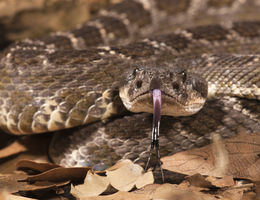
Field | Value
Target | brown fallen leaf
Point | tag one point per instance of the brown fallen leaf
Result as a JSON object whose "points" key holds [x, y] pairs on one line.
{"points": [[198, 180], [30, 147], [208, 181], [257, 189], [125, 174], [143, 194], [233, 194], [7, 196], [35, 144], [35, 166], [123, 177], [144, 179], [94, 185], [121, 195], [60, 174], [44, 186], [225, 181], [51, 172], [174, 192], [11, 183], [12, 149], [242, 153]]}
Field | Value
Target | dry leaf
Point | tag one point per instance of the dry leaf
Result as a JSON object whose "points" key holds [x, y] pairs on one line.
{"points": [[120, 195], [43, 186], [52, 173], [143, 194], [93, 186], [144, 179], [7, 196], [173, 192], [233, 194], [123, 175], [12, 149], [9, 182], [225, 181], [198, 180], [60, 174], [12, 183], [243, 159], [35, 166]]}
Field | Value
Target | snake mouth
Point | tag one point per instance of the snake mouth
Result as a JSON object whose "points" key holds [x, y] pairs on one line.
{"points": [[170, 105], [142, 95], [149, 94]]}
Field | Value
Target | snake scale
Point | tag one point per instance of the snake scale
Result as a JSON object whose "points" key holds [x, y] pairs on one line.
{"points": [[92, 73]]}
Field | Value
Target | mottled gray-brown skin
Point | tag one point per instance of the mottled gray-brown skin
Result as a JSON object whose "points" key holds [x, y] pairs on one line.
{"points": [[62, 82]]}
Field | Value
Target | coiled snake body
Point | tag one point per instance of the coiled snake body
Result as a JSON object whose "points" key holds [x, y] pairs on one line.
{"points": [[62, 82]]}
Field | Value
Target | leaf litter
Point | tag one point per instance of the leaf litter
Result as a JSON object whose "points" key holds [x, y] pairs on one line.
{"points": [[226, 169]]}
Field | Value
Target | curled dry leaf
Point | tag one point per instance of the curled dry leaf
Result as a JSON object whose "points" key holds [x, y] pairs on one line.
{"points": [[44, 186], [49, 176], [35, 166], [93, 186], [11, 183], [124, 176], [242, 154], [52, 173], [60, 174]]}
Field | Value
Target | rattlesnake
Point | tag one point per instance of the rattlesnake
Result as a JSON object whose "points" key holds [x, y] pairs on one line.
{"points": [[68, 79]]}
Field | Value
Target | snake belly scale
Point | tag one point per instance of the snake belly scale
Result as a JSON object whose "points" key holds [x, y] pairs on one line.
{"points": [[70, 79]]}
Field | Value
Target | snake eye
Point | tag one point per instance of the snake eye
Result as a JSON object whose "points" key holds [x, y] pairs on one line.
{"points": [[132, 75], [139, 84]]}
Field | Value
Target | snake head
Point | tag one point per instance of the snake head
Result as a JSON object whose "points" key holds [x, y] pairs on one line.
{"points": [[183, 93]]}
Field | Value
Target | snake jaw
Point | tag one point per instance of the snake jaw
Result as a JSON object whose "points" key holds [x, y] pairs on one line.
{"points": [[183, 93], [170, 107]]}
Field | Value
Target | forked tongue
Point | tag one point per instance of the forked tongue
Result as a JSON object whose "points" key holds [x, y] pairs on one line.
{"points": [[157, 104]]}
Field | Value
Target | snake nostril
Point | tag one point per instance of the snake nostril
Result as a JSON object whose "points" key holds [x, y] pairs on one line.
{"points": [[139, 84], [175, 86]]}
